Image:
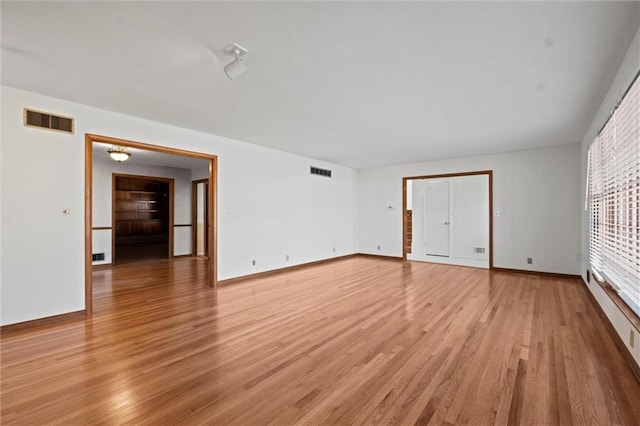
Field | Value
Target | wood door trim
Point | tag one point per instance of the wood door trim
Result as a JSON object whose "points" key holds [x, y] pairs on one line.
{"points": [[171, 216], [88, 225], [88, 200], [489, 173], [208, 224], [194, 216], [212, 206]]}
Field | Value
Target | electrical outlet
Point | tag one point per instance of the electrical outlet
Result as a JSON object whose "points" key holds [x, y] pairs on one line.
{"points": [[378, 248], [334, 249], [253, 263], [287, 258], [632, 338], [529, 260]]}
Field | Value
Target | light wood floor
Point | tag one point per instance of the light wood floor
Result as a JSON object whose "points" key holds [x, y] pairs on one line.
{"points": [[359, 340]]}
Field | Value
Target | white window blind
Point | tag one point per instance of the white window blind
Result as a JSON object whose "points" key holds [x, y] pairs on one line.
{"points": [[614, 200]]}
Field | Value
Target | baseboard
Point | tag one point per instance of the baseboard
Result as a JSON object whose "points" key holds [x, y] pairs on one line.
{"points": [[486, 268], [544, 274], [42, 322], [182, 255], [380, 256], [101, 266], [281, 270], [612, 331]]}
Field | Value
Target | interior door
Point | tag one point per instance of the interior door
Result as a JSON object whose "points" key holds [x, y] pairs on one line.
{"points": [[437, 219]]}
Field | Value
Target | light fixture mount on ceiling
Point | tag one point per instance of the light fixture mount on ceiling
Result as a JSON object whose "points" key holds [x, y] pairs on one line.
{"points": [[236, 67], [119, 153]]}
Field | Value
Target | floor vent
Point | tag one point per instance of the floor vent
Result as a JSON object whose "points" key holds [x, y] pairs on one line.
{"points": [[45, 120], [320, 172], [98, 256]]}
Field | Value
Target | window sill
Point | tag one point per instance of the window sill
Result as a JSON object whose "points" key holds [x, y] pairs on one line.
{"points": [[617, 300]]}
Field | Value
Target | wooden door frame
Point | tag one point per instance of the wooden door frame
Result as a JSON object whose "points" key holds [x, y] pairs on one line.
{"points": [[170, 181], [194, 218], [489, 173], [88, 206]]}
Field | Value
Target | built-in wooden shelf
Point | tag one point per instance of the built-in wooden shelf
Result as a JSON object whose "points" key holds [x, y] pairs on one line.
{"points": [[141, 210]]}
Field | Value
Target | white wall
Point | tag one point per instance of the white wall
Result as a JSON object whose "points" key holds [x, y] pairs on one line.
{"points": [[102, 198], [627, 71], [269, 204], [536, 201], [469, 220], [200, 173]]}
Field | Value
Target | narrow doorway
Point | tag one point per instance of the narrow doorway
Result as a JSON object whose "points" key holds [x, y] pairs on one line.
{"points": [[200, 199], [142, 218]]}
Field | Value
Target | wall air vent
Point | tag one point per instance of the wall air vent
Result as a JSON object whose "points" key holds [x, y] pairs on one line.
{"points": [[478, 250], [320, 172], [45, 120], [97, 256]]}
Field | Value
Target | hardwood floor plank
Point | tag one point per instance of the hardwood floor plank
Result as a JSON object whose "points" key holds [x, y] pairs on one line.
{"points": [[356, 341]]}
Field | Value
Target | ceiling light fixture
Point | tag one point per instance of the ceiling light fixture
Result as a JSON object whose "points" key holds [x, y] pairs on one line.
{"points": [[235, 67], [119, 153]]}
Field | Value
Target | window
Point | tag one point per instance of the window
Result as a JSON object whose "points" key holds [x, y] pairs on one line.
{"points": [[614, 200]]}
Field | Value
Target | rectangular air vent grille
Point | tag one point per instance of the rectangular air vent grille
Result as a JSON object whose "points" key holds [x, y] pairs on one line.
{"points": [[45, 120], [478, 250], [98, 256], [320, 172]]}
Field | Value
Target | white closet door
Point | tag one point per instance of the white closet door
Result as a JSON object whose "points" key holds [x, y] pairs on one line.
{"points": [[437, 219]]}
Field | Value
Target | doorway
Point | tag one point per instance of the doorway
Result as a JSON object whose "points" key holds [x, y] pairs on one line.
{"points": [[448, 218], [200, 217], [142, 218], [102, 233]]}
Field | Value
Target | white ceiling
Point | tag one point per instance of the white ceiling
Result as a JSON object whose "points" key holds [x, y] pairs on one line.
{"points": [[360, 84]]}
